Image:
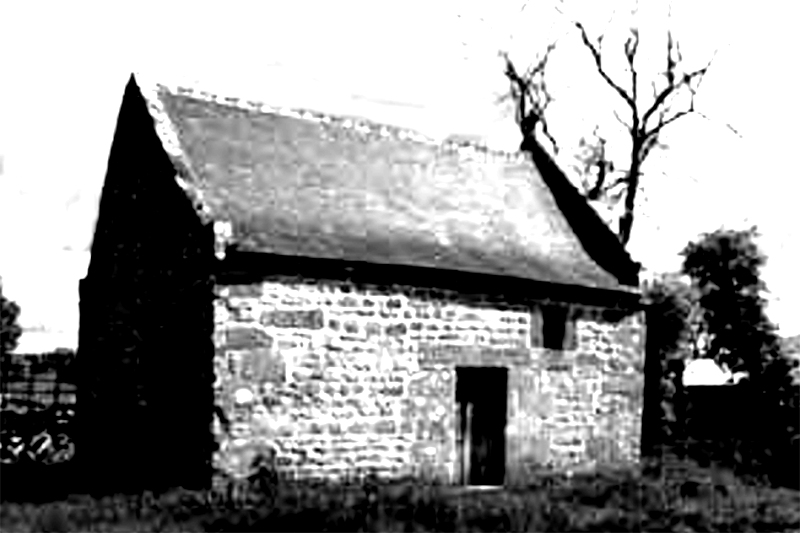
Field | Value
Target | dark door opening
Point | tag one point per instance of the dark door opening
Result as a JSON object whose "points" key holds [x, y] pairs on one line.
{"points": [[481, 395]]}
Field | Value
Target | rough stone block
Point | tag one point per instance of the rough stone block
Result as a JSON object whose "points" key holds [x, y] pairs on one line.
{"points": [[263, 364], [384, 427], [396, 330], [306, 319], [535, 451], [604, 450], [245, 291], [242, 337], [348, 301], [536, 404]]}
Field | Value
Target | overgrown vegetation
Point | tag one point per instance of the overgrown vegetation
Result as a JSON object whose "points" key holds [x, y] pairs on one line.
{"points": [[622, 500], [717, 311]]}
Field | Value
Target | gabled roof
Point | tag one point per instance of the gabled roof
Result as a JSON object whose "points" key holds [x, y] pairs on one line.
{"points": [[302, 183]]}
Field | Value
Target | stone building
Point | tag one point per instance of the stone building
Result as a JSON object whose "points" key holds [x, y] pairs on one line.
{"points": [[351, 296]]}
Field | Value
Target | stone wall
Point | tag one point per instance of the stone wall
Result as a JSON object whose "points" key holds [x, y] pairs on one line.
{"points": [[341, 380]]}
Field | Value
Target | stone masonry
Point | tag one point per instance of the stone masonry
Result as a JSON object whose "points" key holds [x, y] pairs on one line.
{"points": [[342, 380]]}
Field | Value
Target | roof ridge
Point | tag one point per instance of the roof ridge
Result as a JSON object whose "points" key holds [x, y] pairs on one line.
{"points": [[359, 124]]}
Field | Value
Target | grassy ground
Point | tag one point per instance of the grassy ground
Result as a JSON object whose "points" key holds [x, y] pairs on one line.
{"points": [[697, 500]]}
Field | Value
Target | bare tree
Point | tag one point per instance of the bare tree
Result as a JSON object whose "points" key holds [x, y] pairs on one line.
{"points": [[672, 98], [594, 167], [530, 95]]}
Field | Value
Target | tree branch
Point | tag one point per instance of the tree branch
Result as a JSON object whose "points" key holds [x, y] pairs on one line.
{"points": [[619, 119], [595, 192], [618, 181], [631, 46], [547, 134], [600, 188], [599, 63], [671, 63], [597, 157], [647, 145], [662, 123], [531, 96], [727, 125], [672, 87]]}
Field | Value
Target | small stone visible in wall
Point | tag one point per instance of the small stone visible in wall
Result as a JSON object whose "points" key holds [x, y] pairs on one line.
{"points": [[394, 303], [244, 291], [396, 330], [243, 337], [385, 427], [243, 396], [293, 319]]}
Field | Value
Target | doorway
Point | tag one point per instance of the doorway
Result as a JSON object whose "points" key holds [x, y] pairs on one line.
{"points": [[481, 395]]}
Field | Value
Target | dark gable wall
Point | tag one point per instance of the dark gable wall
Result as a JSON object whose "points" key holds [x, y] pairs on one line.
{"points": [[145, 343]]}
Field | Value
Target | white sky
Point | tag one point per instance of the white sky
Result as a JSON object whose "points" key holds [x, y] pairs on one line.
{"points": [[431, 66]]}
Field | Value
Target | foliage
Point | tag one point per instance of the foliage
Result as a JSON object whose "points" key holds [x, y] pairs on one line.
{"points": [[725, 268], [612, 500], [10, 330], [672, 306], [720, 314]]}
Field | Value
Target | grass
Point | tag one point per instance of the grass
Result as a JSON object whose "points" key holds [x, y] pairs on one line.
{"points": [[698, 500]]}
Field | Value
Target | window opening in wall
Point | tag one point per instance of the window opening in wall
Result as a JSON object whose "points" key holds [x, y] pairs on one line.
{"points": [[554, 327]]}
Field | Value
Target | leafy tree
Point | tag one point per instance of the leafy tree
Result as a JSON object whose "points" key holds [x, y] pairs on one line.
{"points": [[10, 330], [735, 331], [716, 310], [731, 327], [651, 104], [671, 308]]}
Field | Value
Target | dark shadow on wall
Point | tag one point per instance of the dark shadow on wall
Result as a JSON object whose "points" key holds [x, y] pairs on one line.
{"points": [[145, 343]]}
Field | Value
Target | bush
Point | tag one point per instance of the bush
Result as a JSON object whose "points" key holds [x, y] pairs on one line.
{"points": [[10, 329]]}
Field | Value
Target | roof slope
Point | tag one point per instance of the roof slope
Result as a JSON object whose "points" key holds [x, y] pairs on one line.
{"points": [[304, 184]]}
